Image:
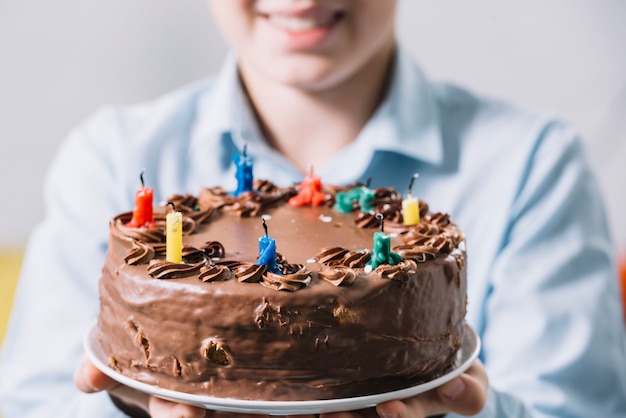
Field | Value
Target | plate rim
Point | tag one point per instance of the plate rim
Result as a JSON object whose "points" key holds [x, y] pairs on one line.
{"points": [[96, 355]]}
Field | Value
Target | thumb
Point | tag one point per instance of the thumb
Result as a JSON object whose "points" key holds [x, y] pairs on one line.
{"points": [[89, 379], [465, 395]]}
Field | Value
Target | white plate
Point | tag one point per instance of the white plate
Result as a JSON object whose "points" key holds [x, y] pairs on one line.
{"points": [[466, 355]]}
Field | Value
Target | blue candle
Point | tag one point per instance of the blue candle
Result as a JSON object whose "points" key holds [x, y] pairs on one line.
{"points": [[244, 172], [267, 252]]}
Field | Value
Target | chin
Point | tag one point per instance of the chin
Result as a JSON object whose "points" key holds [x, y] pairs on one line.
{"points": [[308, 73]]}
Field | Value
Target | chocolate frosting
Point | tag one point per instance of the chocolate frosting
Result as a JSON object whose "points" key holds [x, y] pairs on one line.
{"points": [[214, 273], [425, 241]]}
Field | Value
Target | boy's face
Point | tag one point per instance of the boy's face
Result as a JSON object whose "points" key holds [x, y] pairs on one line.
{"points": [[310, 44]]}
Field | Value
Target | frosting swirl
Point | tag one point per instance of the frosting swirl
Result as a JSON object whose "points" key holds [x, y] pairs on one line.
{"points": [[366, 220], [139, 253], [191, 207], [250, 273], [338, 275], [247, 203], [213, 249], [146, 235], [294, 277], [340, 266], [400, 271], [331, 254], [419, 253], [161, 269], [214, 273], [439, 218], [357, 259]]}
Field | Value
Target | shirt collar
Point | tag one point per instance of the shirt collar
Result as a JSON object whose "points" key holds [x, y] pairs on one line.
{"points": [[407, 122], [215, 108], [225, 112]]}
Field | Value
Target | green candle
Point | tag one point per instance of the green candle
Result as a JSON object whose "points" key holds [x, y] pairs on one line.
{"points": [[362, 195], [381, 253], [343, 202], [366, 199]]}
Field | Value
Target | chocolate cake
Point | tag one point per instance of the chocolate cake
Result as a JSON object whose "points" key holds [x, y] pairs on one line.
{"points": [[329, 314]]}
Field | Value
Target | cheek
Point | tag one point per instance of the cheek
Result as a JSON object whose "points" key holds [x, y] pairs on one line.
{"points": [[374, 19], [235, 19]]}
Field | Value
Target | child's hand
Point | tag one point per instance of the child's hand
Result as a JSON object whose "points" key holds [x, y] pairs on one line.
{"points": [[465, 395]]}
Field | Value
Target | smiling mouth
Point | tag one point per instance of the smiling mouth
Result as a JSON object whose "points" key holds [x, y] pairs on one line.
{"points": [[295, 23]]}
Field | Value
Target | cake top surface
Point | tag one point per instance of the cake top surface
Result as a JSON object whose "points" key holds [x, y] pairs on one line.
{"points": [[351, 232]]}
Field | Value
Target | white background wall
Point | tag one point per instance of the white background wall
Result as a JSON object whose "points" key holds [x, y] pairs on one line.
{"points": [[60, 60]]}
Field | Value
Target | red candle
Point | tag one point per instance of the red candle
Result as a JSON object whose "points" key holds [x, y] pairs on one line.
{"points": [[622, 271], [309, 192], [142, 213]]}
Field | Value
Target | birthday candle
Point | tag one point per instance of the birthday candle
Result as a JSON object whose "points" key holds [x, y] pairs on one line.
{"points": [[381, 253], [174, 236], [244, 172], [309, 192], [410, 206], [142, 213], [343, 202], [362, 195], [366, 199], [267, 251]]}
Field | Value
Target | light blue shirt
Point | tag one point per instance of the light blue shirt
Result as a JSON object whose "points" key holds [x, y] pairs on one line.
{"points": [[543, 293]]}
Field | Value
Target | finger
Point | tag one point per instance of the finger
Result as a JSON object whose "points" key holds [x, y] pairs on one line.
{"points": [[467, 393], [160, 408], [363, 413], [302, 416], [224, 414], [129, 398], [89, 379], [415, 407], [340, 415]]}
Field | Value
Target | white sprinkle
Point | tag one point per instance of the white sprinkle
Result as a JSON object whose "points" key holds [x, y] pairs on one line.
{"points": [[266, 217], [325, 218], [311, 261], [386, 206], [368, 269], [215, 258]]}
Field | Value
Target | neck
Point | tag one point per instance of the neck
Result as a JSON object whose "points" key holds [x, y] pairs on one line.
{"points": [[310, 126]]}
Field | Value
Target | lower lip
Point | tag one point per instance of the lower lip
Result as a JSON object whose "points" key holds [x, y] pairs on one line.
{"points": [[301, 40]]}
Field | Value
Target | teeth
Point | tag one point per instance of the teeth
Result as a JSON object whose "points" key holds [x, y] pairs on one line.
{"points": [[300, 24]]}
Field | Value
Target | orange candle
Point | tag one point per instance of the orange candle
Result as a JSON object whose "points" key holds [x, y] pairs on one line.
{"points": [[309, 192]]}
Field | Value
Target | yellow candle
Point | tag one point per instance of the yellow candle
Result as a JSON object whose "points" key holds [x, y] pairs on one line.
{"points": [[411, 206], [411, 211], [174, 237]]}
